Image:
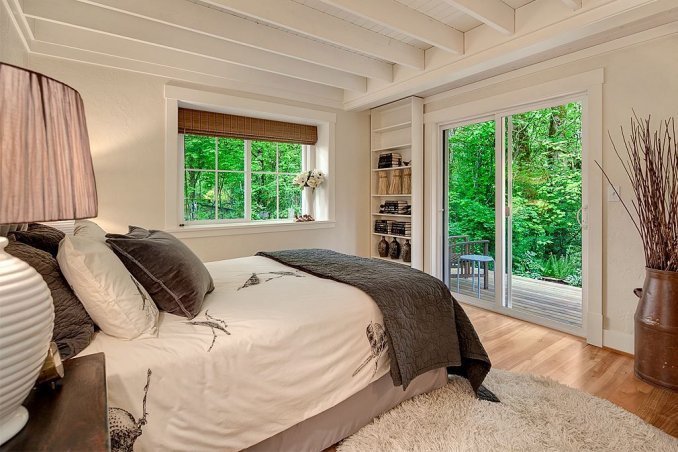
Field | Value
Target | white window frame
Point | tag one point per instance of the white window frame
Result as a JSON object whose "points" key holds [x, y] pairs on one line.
{"points": [[320, 156], [587, 88], [247, 177]]}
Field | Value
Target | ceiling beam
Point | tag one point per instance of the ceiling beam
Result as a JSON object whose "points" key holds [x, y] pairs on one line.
{"points": [[108, 23], [310, 22], [494, 13], [252, 81], [411, 22], [201, 19], [572, 4]]}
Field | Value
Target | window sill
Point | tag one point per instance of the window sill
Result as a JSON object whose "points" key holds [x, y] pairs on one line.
{"points": [[216, 230]]}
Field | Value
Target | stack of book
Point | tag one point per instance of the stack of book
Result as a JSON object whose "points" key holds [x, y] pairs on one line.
{"points": [[381, 226], [403, 228], [390, 160], [395, 207]]}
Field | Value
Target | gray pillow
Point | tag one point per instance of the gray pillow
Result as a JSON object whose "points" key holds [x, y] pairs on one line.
{"points": [[175, 278], [40, 236], [73, 327]]}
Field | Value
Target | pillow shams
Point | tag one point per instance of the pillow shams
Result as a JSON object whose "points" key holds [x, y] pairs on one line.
{"points": [[117, 303]]}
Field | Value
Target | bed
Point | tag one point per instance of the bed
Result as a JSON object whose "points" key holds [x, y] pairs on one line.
{"points": [[277, 359]]}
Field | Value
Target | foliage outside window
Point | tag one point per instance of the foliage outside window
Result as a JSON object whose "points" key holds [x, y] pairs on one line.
{"points": [[231, 180], [547, 165]]}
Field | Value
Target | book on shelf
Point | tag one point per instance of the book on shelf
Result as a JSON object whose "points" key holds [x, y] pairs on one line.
{"points": [[390, 160]]}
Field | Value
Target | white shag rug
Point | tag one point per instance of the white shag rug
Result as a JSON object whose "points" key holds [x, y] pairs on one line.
{"points": [[535, 414]]}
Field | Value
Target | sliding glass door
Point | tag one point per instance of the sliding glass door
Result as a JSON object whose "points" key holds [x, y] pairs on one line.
{"points": [[514, 217]]}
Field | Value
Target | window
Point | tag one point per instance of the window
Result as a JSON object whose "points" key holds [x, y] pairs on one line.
{"points": [[236, 180]]}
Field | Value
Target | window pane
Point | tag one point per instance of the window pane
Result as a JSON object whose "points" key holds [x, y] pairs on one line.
{"points": [[198, 195], [264, 196], [290, 158], [231, 195], [199, 152], [263, 156], [231, 154], [290, 197]]}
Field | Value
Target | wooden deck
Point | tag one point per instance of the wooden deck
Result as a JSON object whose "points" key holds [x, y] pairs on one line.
{"points": [[553, 301]]}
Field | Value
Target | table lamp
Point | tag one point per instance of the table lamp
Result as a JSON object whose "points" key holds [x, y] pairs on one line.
{"points": [[46, 174]]}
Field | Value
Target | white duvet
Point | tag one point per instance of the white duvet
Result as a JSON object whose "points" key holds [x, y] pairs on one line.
{"points": [[272, 347]]}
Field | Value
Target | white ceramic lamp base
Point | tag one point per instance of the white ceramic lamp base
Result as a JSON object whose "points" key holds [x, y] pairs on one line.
{"points": [[26, 323]]}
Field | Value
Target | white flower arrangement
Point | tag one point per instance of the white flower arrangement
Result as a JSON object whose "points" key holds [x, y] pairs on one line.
{"points": [[313, 179]]}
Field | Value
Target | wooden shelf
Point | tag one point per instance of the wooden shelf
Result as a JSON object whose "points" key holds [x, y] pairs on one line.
{"points": [[393, 127], [398, 125], [391, 215], [391, 235], [395, 261], [392, 169], [392, 196], [393, 148]]}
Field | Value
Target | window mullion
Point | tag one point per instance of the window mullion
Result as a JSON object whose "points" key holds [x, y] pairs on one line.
{"points": [[216, 178], [248, 179], [277, 181]]}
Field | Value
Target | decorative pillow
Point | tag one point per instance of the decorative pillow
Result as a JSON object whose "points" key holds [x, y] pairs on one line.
{"points": [[40, 236], [118, 304], [73, 327], [89, 229], [175, 277]]}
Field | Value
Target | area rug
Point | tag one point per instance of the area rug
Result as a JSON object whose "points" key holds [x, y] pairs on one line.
{"points": [[535, 414]]}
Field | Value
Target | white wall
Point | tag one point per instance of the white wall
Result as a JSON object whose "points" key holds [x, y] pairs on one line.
{"points": [[641, 77], [125, 116]]}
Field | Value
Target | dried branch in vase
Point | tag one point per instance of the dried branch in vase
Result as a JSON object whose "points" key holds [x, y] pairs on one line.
{"points": [[651, 165]]}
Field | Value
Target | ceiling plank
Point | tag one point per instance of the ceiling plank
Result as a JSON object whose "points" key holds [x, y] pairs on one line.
{"points": [[104, 44], [253, 81], [494, 13], [310, 22], [201, 19], [411, 22], [153, 34], [572, 4]]}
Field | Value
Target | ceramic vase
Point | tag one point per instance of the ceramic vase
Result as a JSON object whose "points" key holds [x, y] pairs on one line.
{"points": [[394, 249], [382, 247], [406, 252], [308, 201]]}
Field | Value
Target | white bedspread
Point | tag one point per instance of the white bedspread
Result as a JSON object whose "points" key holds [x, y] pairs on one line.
{"points": [[295, 342]]}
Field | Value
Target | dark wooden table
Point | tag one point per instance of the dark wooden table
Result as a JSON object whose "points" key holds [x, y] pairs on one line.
{"points": [[72, 417]]}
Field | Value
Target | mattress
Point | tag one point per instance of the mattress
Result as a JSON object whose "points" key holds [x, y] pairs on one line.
{"points": [[272, 347]]}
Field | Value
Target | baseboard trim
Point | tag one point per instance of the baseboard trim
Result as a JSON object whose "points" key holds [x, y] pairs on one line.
{"points": [[619, 341]]}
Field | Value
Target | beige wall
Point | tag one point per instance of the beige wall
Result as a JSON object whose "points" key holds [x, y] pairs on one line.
{"points": [[126, 121], [641, 77]]}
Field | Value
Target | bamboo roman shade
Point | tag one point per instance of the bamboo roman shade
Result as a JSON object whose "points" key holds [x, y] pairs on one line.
{"points": [[199, 122]]}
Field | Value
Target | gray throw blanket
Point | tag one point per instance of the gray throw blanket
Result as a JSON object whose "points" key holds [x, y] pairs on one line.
{"points": [[425, 326]]}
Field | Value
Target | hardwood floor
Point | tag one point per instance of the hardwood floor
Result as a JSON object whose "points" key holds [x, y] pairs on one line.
{"points": [[527, 348]]}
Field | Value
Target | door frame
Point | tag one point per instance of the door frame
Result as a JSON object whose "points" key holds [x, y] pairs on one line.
{"points": [[585, 88]]}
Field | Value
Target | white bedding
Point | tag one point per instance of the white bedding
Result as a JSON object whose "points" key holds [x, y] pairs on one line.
{"points": [[295, 342]]}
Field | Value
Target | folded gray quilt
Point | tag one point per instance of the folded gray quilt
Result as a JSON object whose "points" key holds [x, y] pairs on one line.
{"points": [[425, 326]]}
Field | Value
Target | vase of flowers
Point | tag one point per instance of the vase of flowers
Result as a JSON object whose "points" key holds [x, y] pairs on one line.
{"points": [[651, 164], [308, 181]]}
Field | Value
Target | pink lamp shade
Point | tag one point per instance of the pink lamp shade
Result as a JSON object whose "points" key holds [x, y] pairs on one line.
{"points": [[46, 171]]}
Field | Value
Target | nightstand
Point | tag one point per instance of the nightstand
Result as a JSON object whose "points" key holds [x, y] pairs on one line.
{"points": [[71, 417]]}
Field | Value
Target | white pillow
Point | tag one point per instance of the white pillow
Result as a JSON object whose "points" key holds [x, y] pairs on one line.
{"points": [[111, 296], [87, 228]]}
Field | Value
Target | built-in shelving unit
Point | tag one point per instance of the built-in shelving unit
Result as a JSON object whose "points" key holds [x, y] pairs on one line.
{"points": [[398, 127]]}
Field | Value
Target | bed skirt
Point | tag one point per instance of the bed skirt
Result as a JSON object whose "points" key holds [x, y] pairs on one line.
{"points": [[342, 420]]}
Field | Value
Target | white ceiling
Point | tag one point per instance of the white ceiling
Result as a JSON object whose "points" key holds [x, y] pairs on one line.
{"points": [[351, 53]]}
